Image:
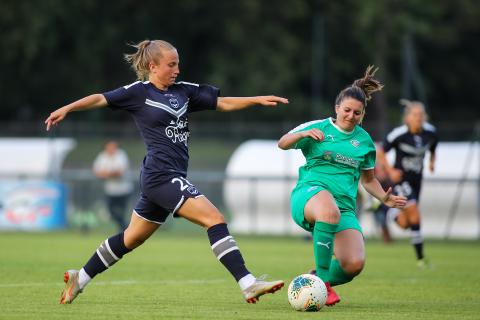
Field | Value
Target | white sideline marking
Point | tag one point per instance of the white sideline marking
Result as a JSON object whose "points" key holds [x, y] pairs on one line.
{"points": [[114, 283]]}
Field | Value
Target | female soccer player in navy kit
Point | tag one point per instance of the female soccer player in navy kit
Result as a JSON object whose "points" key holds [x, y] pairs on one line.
{"points": [[160, 108], [411, 142]]}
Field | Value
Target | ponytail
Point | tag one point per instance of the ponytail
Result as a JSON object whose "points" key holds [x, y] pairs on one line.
{"points": [[368, 83], [147, 51], [361, 89]]}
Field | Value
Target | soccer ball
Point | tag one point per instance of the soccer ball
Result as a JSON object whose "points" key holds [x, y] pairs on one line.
{"points": [[307, 292]]}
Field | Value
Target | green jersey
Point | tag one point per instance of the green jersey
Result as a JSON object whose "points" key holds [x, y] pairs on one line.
{"points": [[336, 162]]}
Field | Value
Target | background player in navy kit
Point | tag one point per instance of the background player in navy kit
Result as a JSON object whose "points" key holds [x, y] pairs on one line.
{"points": [[411, 142], [160, 108], [379, 209]]}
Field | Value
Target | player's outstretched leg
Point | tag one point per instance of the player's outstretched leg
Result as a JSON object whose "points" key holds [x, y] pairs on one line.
{"points": [[108, 253], [72, 287], [227, 252]]}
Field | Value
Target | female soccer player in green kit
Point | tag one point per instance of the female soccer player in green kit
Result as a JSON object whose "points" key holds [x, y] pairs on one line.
{"points": [[338, 154]]}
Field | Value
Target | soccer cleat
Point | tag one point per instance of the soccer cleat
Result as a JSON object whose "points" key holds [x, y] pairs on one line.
{"points": [[261, 287], [72, 288], [332, 296]]}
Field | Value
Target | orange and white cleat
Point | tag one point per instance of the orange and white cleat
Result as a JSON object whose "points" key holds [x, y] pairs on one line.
{"points": [[72, 288], [261, 287], [332, 296]]}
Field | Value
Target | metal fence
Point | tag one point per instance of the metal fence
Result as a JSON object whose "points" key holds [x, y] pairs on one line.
{"points": [[252, 204]]}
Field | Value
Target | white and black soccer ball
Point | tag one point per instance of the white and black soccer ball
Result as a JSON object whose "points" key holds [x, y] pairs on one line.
{"points": [[307, 292]]}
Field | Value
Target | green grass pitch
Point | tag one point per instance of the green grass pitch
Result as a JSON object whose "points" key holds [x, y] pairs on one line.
{"points": [[175, 276]]}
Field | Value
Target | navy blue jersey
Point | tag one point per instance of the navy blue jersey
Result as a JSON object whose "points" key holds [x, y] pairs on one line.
{"points": [[410, 149], [162, 119]]}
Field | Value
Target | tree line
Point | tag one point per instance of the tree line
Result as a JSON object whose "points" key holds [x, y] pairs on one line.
{"points": [[55, 51]]}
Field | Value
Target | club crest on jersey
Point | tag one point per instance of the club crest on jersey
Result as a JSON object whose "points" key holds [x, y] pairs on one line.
{"points": [[173, 102], [355, 143]]}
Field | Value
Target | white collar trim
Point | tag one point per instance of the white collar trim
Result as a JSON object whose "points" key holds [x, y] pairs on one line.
{"points": [[340, 129]]}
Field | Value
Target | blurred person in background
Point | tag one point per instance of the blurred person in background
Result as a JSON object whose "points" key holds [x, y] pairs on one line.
{"points": [[338, 154], [160, 108], [411, 142], [111, 165]]}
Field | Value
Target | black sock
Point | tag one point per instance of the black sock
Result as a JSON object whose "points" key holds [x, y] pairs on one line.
{"points": [[417, 240], [109, 252], [225, 249]]}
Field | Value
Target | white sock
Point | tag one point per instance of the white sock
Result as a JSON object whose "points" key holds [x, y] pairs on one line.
{"points": [[246, 281], [83, 278]]}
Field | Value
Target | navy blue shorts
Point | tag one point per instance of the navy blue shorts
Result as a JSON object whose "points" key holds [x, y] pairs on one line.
{"points": [[408, 189], [159, 200]]}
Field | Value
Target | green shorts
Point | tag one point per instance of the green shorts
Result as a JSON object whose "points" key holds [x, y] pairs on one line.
{"points": [[299, 198]]}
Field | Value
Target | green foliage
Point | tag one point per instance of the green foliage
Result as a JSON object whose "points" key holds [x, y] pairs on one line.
{"points": [[176, 276], [56, 51]]}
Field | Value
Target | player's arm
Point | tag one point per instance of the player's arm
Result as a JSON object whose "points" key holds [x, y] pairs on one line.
{"points": [[372, 186], [290, 139], [106, 174], [394, 174], [227, 104], [86, 103]]}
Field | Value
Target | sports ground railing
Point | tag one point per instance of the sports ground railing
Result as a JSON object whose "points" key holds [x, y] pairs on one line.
{"points": [[254, 204]]}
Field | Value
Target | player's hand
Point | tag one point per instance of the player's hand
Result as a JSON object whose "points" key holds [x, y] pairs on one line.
{"points": [[271, 100], [55, 117], [314, 133], [393, 201]]}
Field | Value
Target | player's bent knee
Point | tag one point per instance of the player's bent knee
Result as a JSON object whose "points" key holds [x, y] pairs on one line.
{"points": [[414, 219], [402, 222], [403, 225], [353, 267], [329, 216]]}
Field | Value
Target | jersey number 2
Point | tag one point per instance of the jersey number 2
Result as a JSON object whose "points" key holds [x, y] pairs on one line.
{"points": [[184, 184]]}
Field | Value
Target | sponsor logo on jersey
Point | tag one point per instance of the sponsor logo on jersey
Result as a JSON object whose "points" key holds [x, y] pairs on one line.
{"points": [[355, 143], [414, 164], [340, 158], [178, 131]]}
